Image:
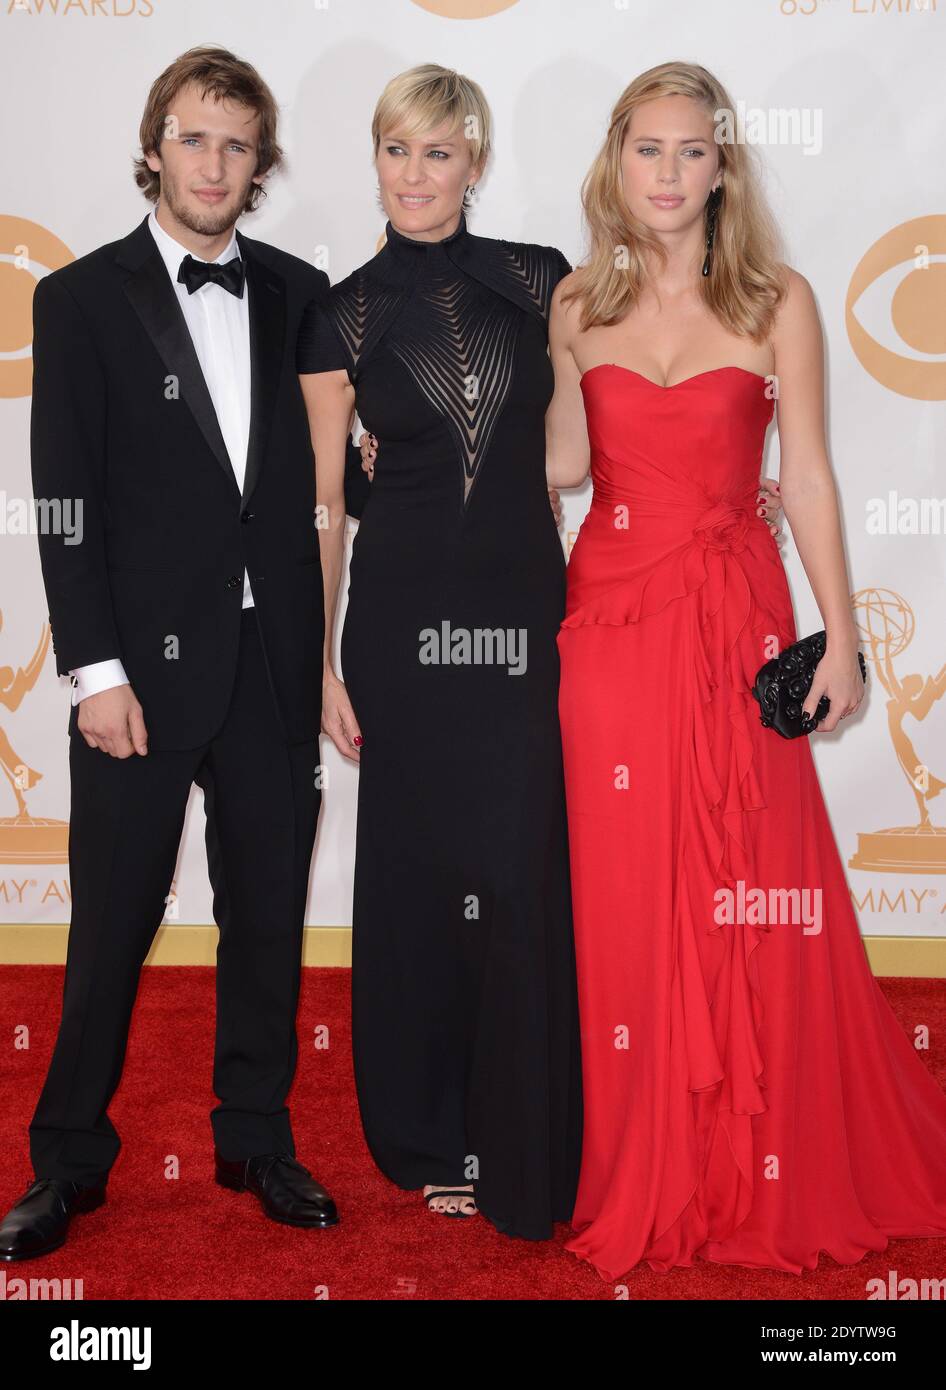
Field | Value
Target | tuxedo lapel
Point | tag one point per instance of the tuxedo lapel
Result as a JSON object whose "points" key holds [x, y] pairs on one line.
{"points": [[154, 300], [267, 291]]}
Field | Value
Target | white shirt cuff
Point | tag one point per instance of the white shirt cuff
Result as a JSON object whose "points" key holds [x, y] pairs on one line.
{"points": [[101, 675]]}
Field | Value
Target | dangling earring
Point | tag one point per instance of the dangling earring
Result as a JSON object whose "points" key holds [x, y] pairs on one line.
{"points": [[713, 202]]}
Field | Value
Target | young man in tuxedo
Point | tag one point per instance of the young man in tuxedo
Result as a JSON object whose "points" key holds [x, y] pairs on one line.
{"points": [[191, 619]]}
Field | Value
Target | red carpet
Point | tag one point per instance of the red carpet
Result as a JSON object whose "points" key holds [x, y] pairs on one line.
{"points": [[190, 1239]]}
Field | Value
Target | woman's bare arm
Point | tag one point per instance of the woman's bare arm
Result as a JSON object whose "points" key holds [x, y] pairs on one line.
{"points": [[809, 495], [567, 452], [330, 404]]}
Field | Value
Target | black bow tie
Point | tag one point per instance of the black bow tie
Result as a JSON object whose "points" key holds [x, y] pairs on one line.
{"points": [[231, 275]]}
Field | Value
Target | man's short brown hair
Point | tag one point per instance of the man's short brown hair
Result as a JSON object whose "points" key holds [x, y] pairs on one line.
{"points": [[215, 72]]}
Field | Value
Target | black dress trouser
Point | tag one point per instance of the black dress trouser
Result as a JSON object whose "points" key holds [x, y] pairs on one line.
{"points": [[262, 802]]}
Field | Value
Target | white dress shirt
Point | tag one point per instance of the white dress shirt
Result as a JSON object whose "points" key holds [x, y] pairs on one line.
{"points": [[219, 326]]}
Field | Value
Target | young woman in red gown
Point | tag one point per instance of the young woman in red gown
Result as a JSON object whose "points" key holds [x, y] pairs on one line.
{"points": [[750, 1098]]}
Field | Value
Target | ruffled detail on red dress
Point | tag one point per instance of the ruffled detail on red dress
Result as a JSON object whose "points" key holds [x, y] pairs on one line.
{"points": [[734, 634]]}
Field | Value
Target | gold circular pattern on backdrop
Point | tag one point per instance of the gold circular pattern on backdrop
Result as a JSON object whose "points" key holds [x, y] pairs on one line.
{"points": [[16, 295]]}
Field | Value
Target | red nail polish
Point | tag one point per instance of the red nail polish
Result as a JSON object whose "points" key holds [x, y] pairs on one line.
{"points": [[358, 740]]}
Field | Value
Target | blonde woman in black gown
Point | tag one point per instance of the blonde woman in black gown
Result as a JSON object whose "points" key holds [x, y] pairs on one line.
{"points": [[464, 1007]]}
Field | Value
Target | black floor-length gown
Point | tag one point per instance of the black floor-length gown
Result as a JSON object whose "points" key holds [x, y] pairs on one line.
{"points": [[464, 1003]]}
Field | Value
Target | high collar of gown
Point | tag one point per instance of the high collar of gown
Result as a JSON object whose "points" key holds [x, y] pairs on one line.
{"points": [[407, 254], [519, 273]]}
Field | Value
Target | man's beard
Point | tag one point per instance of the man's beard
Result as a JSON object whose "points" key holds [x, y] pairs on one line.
{"points": [[213, 222]]}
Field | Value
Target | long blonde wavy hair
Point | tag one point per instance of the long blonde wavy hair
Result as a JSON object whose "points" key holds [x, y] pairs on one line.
{"points": [[746, 281]]}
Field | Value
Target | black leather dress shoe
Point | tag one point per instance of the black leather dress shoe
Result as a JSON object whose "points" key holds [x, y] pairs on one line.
{"points": [[40, 1220], [287, 1191]]}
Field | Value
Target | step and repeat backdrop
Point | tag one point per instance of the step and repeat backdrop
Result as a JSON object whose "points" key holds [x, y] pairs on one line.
{"points": [[843, 99]]}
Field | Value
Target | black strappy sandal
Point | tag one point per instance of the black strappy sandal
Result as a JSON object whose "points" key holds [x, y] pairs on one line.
{"points": [[451, 1192]]}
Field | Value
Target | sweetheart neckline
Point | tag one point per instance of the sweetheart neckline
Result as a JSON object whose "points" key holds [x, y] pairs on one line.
{"points": [[673, 384]]}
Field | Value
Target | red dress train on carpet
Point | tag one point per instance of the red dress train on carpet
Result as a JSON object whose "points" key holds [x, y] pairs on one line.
{"points": [[750, 1097]]}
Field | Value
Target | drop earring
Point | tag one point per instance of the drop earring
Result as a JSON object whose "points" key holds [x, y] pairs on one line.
{"points": [[712, 207]]}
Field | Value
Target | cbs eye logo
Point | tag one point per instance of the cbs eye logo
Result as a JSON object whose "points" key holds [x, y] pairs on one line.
{"points": [[899, 289], [27, 250]]}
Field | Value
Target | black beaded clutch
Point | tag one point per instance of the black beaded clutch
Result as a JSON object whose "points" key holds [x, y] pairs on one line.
{"points": [[782, 685]]}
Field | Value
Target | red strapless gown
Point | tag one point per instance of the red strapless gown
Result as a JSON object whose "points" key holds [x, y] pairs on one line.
{"points": [[750, 1097]]}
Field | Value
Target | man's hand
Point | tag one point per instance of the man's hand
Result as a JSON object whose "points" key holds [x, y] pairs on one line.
{"points": [[114, 722], [769, 505]]}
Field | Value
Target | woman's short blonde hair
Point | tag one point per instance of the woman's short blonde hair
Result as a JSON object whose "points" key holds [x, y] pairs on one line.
{"points": [[429, 96]]}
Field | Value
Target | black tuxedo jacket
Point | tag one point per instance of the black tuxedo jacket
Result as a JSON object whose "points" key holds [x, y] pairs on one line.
{"points": [[123, 424]]}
